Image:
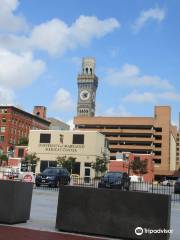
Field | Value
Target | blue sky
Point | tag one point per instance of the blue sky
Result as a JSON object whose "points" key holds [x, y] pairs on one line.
{"points": [[135, 43]]}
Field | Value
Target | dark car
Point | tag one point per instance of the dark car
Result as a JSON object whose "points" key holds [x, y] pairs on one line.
{"points": [[177, 186], [53, 177], [119, 180]]}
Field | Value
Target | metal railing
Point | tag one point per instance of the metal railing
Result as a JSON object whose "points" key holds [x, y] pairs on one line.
{"points": [[149, 187]]}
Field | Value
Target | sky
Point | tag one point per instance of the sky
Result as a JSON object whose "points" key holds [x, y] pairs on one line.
{"points": [[135, 44]]}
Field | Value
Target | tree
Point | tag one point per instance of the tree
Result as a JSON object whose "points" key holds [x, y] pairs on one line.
{"points": [[23, 141], [139, 166], [69, 163], [100, 166], [3, 159], [31, 160], [61, 161]]}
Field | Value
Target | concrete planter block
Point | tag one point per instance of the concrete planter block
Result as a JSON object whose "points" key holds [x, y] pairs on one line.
{"points": [[113, 213], [15, 201]]}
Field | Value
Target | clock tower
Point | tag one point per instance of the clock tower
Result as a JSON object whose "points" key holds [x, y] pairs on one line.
{"points": [[87, 85]]}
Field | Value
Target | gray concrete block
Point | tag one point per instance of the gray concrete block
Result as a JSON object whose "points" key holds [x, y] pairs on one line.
{"points": [[113, 213], [15, 201]]}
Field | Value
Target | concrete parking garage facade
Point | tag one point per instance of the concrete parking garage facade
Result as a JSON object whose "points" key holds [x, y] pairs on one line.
{"points": [[139, 135]]}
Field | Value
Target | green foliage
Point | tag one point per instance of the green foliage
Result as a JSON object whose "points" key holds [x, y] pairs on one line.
{"points": [[31, 160], [69, 163], [139, 166], [3, 158], [100, 166], [23, 141]]}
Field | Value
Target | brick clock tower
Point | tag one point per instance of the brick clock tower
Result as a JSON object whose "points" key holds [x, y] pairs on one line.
{"points": [[87, 85]]}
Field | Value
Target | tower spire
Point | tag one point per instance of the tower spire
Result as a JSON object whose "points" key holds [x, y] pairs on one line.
{"points": [[87, 85]]}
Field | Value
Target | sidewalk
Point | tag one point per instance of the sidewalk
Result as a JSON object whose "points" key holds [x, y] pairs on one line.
{"points": [[16, 233]]}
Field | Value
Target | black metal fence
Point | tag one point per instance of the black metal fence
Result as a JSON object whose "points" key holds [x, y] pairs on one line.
{"points": [[155, 188]]}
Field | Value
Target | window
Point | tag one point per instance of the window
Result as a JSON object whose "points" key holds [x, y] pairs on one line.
{"points": [[78, 138], [45, 164], [158, 129], [52, 164], [61, 138], [2, 138], [158, 137], [157, 161], [4, 110], [76, 169], [3, 120], [87, 164], [20, 152], [45, 138], [3, 129], [157, 153]]}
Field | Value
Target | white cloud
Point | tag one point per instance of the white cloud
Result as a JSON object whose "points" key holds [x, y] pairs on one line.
{"points": [[52, 36], [145, 97], [8, 20], [156, 14], [120, 110], [62, 101], [56, 37], [19, 70], [85, 28], [129, 75], [150, 97], [6, 96]]}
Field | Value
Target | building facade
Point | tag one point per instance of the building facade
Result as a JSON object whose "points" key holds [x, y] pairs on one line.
{"points": [[178, 152], [15, 124], [139, 135], [124, 165], [87, 85], [84, 146]]}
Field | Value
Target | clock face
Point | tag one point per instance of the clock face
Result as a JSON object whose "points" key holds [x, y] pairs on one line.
{"points": [[84, 95]]}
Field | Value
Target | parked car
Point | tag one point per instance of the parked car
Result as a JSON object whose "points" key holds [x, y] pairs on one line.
{"points": [[177, 186], [168, 183], [53, 177], [135, 178], [119, 180]]}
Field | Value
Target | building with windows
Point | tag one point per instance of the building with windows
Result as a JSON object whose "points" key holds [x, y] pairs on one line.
{"points": [[139, 135], [15, 124], [124, 164], [85, 146], [178, 152]]}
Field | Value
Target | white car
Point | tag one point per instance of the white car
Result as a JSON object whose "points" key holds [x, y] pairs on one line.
{"points": [[168, 183]]}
